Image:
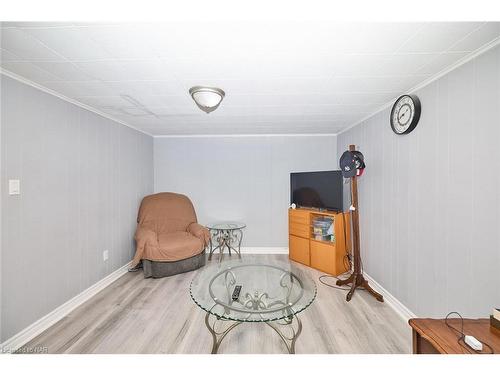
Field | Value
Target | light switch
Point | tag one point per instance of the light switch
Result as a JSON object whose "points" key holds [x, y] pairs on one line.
{"points": [[14, 187]]}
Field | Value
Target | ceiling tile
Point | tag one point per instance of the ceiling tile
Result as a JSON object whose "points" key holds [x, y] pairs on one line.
{"points": [[289, 85], [148, 88], [356, 64], [165, 101], [488, 32], [103, 70], [25, 46], [402, 64], [366, 84], [75, 89], [282, 100], [373, 37], [127, 41], [281, 76], [436, 37], [181, 111], [143, 70], [66, 71], [368, 98], [408, 83], [104, 101], [72, 43], [440, 62], [153, 70], [8, 56]]}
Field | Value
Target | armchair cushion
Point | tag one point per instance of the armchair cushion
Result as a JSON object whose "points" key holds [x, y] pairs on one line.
{"points": [[177, 245]]}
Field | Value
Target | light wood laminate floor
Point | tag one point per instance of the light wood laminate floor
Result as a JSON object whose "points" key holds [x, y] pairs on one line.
{"points": [[137, 315]]}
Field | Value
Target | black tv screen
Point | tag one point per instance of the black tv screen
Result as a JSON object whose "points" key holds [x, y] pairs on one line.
{"points": [[321, 190]]}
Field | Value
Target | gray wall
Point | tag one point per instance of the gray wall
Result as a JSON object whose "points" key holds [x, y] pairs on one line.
{"points": [[82, 178], [241, 178], [429, 201]]}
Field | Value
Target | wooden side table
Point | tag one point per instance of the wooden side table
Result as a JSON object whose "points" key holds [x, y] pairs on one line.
{"points": [[433, 336]]}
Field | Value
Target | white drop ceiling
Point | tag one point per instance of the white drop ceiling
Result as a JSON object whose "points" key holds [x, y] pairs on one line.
{"points": [[280, 77]]}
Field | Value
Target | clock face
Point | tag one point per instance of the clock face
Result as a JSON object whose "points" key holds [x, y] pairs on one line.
{"points": [[405, 114]]}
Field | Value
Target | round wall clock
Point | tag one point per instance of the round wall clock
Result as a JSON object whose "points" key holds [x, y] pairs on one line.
{"points": [[405, 114]]}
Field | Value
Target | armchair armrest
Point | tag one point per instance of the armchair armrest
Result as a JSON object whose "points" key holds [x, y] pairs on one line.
{"points": [[143, 235], [200, 232]]}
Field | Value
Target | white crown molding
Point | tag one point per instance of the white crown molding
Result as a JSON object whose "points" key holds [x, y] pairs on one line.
{"points": [[67, 99], [245, 135], [428, 81], [404, 312], [30, 332]]}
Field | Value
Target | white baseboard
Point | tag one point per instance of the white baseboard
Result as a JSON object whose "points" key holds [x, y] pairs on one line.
{"points": [[264, 250], [404, 312], [30, 332]]}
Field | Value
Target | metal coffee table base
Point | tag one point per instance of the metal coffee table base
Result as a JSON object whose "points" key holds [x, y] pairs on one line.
{"points": [[288, 330]]}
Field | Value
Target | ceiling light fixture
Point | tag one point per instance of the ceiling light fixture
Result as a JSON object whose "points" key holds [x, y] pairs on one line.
{"points": [[207, 98]]}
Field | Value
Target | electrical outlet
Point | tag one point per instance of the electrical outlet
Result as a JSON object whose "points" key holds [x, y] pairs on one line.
{"points": [[14, 187], [105, 255]]}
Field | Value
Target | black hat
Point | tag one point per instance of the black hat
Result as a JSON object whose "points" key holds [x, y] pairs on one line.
{"points": [[347, 164], [352, 162], [359, 159]]}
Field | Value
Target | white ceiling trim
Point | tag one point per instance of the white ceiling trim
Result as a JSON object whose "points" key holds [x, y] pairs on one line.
{"points": [[69, 100], [428, 81]]}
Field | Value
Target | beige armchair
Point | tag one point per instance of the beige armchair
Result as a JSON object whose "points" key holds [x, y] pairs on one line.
{"points": [[169, 239]]}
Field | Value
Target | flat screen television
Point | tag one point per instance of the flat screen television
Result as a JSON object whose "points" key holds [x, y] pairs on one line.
{"points": [[320, 190]]}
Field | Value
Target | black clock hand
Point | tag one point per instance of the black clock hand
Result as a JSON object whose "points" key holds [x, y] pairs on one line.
{"points": [[402, 114]]}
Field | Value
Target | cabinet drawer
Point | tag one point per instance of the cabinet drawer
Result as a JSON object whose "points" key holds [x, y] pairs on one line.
{"points": [[298, 249], [323, 257], [298, 217], [301, 230]]}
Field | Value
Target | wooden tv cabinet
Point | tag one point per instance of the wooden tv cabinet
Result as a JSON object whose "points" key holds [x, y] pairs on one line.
{"points": [[326, 256]]}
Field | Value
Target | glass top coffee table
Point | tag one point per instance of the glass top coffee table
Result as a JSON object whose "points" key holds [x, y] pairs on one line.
{"points": [[270, 293], [226, 234]]}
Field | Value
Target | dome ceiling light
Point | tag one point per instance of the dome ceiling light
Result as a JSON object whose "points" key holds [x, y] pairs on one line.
{"points": [[207, 98]]}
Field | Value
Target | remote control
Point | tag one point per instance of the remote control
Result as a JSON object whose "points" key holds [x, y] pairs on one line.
{"points": [[236, 292]]}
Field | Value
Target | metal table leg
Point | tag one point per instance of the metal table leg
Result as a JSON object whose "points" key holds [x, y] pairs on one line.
{"points": [[290, 337], [287, 329], [218, 334], [237, 236], [213, 233]]}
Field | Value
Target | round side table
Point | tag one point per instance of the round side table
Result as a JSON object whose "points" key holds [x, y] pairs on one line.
{"points": [[225, 235]]}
